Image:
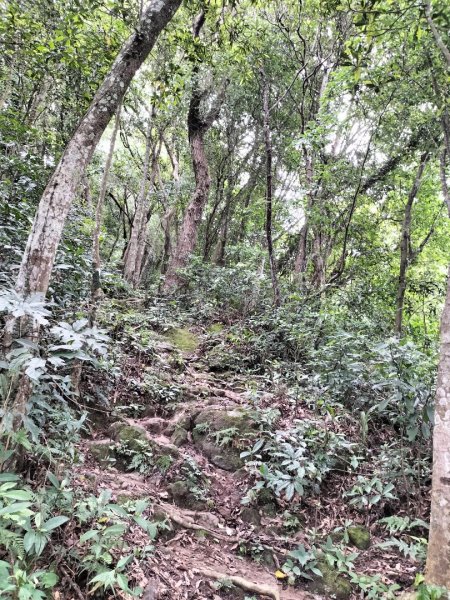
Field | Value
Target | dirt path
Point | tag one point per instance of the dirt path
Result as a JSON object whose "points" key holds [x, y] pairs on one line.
{"points": [[201, 543]]}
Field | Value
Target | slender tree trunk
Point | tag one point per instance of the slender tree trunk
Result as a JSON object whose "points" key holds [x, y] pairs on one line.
{"points": [[134, 252], [7, 85], [269, 193], [96, 286], [437, 36], [169, 211], [301, 259], [405, 245], [197, 129], [40, 251]]}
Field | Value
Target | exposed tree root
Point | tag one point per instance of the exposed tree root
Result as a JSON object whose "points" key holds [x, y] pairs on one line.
{"points": [[245, 584], [185, 522]]}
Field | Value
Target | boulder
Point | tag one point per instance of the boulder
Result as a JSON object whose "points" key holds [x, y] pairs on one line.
{"points": [[179, 437], [225, 457], [133, 436], [332, 584], [103, 452], [182, 496]]}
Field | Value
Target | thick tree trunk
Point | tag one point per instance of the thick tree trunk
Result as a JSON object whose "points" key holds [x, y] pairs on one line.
{"points": [[39, 255], [405, 245], [269, 193], [187, 237], [96, 286], [197, 128], [438, 556]]}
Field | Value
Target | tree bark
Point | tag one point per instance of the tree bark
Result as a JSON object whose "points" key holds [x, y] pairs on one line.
{"points": [[40, 251], [301, 259], [438, 556], [134, 252], [96, 285], [269, 193], [437, 36], [197, 129], [405, 245]]}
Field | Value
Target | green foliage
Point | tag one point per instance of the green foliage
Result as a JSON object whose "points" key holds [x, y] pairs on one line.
{"points": [[295, 462], [302, 563], [368, 492]]}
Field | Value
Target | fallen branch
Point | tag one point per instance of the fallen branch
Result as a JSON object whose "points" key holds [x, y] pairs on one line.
{"points": [[71, 583], [245, 584]]}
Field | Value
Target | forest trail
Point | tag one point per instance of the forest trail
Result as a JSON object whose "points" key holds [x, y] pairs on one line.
{"points": [[197, 489]]}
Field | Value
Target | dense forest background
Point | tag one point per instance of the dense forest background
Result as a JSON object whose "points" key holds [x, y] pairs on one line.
{"points": [[224, 253]]}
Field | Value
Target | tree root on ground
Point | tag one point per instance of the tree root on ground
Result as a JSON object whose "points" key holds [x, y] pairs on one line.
{"points": [[245, 584], [175, 517]]}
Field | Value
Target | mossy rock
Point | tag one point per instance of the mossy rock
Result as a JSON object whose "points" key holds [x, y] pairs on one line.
{"points": [[183, 422], [181, 495], [227, 459], [183, 339], [215, 328], [332, 584], [218, 359], [102, 452], [359, 536], [217, 420], [133, 436], [224, 457], [179, 437]]}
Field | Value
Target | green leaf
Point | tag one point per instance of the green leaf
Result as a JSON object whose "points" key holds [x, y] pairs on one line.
{"points": [[16, 508], [89, 535], [18, 495], [49, 579], [54, 523], [115, 530], [28, 540]]}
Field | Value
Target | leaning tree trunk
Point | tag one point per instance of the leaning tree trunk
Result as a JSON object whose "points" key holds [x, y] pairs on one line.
{"points": [[405, 245], [197, 128], [43, 241]]}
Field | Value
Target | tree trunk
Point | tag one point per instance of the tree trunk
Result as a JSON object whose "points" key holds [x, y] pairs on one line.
{"points": [[301, 259], [40, 251], [169, 211], [96, 286], [438, 555], [197, 128], [405, 245], [269, 193], [134, 252]]}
